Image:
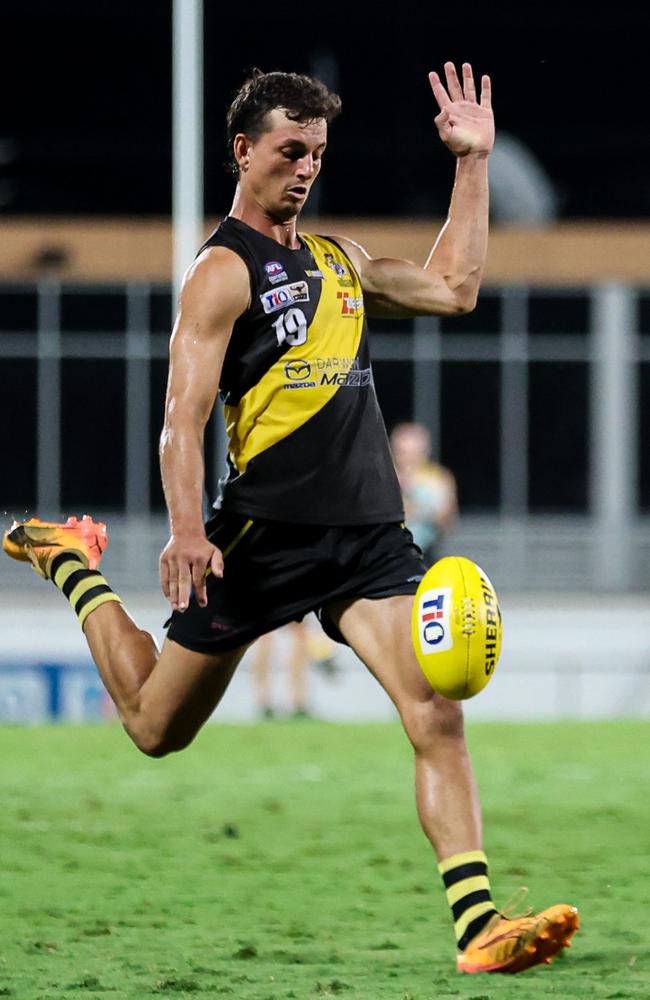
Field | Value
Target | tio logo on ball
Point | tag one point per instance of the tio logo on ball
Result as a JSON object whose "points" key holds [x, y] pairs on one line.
{"points": [[433, 614]]}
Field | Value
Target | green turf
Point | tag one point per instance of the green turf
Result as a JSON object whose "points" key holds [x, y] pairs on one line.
{"points": [[285, 860]]}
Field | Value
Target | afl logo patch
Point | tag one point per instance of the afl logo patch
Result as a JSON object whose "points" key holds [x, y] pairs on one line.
{"points": [[275, 271]]}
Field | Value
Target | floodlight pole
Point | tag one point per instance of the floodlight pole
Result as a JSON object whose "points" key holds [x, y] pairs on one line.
{"points": [[614, 445], [187, 136], [187, 169]]}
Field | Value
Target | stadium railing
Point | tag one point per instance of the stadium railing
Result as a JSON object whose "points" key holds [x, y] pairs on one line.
{"points": [[537, 401]]}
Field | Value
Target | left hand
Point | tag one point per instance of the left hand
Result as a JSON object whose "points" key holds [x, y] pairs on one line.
{"points": [[464, 125]]}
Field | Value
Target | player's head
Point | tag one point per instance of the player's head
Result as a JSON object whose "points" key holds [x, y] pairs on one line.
{"points": [[277, 133], [410, 445]]}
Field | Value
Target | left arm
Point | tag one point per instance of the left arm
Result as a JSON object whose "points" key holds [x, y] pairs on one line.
{"points": [[449, 281]]}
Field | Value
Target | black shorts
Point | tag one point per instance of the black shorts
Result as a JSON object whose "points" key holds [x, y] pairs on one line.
{"points": [[276, 573]]}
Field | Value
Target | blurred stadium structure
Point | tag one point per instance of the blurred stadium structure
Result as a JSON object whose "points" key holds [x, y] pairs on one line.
{"points": [[543, 425], [538, 401]]}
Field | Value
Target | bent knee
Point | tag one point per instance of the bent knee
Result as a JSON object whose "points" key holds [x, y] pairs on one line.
{"points": [[427, 722], [157, 743]]}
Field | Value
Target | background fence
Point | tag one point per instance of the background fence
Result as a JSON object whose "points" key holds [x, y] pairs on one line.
{"points": [[538, 401]]}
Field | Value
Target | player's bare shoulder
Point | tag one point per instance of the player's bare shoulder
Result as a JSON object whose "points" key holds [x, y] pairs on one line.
{"points": [[216, 286]]}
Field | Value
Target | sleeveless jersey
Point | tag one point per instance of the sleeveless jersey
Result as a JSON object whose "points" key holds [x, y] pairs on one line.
{"points": [[306, 439]]}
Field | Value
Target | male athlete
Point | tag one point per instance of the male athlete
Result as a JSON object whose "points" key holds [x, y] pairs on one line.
{"points": [[310, 514]]}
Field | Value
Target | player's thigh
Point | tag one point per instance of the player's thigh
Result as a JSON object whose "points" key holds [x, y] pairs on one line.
{"points": [[379, 632], [182, 692]]}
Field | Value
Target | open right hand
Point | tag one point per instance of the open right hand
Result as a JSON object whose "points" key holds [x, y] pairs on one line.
{"points": [[184, 564]]}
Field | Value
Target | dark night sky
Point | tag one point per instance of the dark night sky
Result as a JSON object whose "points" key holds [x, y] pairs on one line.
{"points": [[86, 129], [86, 124]]}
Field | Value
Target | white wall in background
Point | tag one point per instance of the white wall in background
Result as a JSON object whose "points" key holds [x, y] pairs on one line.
{"points": [[564, 656]]}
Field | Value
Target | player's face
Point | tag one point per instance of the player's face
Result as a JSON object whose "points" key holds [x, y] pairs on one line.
{"points": [[283, 164]]}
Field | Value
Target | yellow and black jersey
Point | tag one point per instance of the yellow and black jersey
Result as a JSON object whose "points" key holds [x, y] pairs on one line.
{"points": [[306, 439]]}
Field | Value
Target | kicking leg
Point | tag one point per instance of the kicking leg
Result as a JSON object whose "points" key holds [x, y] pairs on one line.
{"points": [[163, 699]]}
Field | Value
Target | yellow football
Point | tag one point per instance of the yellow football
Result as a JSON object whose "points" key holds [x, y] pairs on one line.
{"points": [[456, 627]]}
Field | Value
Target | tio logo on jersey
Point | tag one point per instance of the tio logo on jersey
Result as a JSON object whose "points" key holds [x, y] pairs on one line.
{"points": [[285, 295]]}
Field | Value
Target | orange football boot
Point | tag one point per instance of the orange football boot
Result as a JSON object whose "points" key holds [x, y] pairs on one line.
{"points": [[515, 944], [40, 542]]}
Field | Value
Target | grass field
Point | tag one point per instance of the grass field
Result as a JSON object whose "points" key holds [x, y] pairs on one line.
{"points": [[285, 861]]}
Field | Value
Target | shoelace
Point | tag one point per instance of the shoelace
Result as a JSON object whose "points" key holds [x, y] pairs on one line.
{"points": [[515, 901], [508, 913]]}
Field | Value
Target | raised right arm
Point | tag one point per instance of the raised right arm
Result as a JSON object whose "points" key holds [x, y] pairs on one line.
{"points": [[215, 292]]}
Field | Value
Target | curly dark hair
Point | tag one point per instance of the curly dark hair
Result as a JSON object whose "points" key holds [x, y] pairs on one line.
{"points": [[301, 97]]}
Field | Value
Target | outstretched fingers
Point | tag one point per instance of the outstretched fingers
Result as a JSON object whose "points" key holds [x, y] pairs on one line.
{"points": [[439, 92], [469, 90], [453, 83], [454, 91], [486, 92], [464, 125]]}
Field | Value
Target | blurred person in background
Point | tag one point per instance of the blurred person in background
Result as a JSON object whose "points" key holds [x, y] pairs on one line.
{"points": [[310, 516], [428, 489], [305, 649]]}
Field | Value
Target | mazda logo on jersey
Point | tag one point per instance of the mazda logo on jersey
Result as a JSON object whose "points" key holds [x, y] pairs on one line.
{"points": [[297, 370]]}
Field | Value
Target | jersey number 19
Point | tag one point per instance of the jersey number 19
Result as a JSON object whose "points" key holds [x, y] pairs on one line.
{"points": [[291, 327]]}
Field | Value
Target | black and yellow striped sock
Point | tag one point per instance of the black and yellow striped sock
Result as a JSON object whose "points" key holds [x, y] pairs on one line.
{"points": [[86, 589], [467, 887]]}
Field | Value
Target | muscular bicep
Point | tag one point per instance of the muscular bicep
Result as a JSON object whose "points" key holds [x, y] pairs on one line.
{"points": [[216, 291], [399, 288]]}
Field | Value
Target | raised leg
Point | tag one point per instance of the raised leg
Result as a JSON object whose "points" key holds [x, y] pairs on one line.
{"points": [[163, 698]]}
